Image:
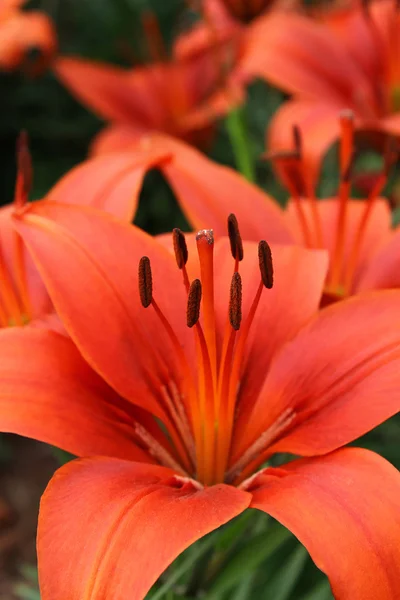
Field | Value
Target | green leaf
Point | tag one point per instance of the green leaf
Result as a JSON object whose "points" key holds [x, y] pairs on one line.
{"points": [[186, 565], [26, 593], [29, 572], [231, 532], [283, 583], [322, 591], [247, 559], [244, 589]]}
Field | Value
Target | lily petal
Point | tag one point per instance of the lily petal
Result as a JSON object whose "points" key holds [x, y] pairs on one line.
{"points": [[104, 323], [338, 378], [135, 519], [49, 393], [38, 297], [21, 32], [345, 509], [117, 137], [383, 270], [192, 177], [104, 88], [111, 183], [298, 55]]}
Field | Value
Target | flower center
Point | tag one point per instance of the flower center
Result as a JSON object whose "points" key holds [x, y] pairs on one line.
{"points": [[203, 408], [15, 308], [347, 244]]}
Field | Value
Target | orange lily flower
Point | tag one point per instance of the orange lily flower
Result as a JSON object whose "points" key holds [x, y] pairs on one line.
{"points": [[182, 96], [109, 183], [364, 249], [252, 377], [350, 59], [22, 32]]}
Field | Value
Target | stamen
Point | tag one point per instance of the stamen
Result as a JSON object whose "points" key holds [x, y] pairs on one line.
{"points": [[157, 450], [229, 406], [235, 303], [173, 400], [153, 36], [180, 248], [193, 305], [298, 140], [346, 159], [265, 263], [391, 154], [263, 441], [24, 171], [307, 185], [145, 282], [235, 238], [288, 166], [205, 248]]}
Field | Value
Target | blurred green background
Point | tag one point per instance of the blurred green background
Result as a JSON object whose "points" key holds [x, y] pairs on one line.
{"points": [[254, 558]]}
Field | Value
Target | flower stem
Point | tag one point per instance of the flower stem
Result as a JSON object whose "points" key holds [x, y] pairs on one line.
{"points": [[238, 135]]}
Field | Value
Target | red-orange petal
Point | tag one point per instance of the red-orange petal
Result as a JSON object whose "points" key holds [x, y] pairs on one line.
{"points": [[133, 519], [49, 393], [206, 205], [344, 508], [21, 32], [383, 269], [39, 299], [94, 288], [339, 378], [111, 183], [302, 57], [117, 137], [104, 88]]}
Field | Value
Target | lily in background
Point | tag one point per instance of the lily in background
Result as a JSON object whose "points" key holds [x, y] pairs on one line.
{"points": [[348, 58], [364, 249], [27, 39], [251, 377], [182, 95], [109, 183]]}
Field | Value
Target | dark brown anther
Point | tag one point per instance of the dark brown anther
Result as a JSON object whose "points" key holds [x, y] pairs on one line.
{"points": [[265, 262], [235, 302], [298, 140], [235, 238], [145, 281], [180, 247], [193, 305]]}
